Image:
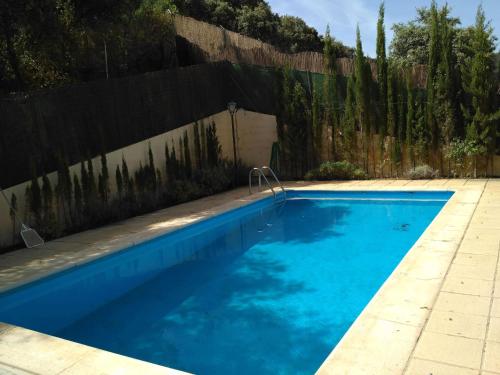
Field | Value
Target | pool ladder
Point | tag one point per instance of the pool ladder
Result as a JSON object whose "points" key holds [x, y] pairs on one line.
{"points": [[261, 174]]}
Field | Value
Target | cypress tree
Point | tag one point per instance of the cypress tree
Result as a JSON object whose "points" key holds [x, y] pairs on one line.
{"points": [[36, 200], [410, 120], [432, 66], [47, 196], [382, 69], [64, 188], [158, 178], [482, 117], [197, 146], [85, 182], [297, 132], [48, 217], [91, 181], [446, 97], [203, 139], [151, 171], [104, 179], [175, 163], [349, 121], [420, 135], [78, 200], [392, 115], [361, 90], [126, 177], [12, 214], [187, 156], [28, 212], [330, 88], [181, 163], [119, 183], [317, 126], [402, 108], [213, 146], [170, 174]]}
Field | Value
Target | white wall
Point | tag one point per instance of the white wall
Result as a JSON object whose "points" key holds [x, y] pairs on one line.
{"points": [[256, 133]]}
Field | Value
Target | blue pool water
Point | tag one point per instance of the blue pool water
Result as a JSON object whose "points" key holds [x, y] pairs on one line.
{"points": [[265, 289]]}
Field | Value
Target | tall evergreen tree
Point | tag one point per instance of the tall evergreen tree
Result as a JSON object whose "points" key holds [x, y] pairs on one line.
{"points": [[78, 212], [119, 183], [197, 146], [64, 190], [330, 89], [48, 217], [410, 120], [482, 116], [420, 135], [181, 162], [104, 179], [446, 99], [151, 171], [213, 146], [13, 218], [392, 114], [361, 89], [317, 126], [187, 156], [382, 68], [35, 199], [349, 122], [432, 68]]}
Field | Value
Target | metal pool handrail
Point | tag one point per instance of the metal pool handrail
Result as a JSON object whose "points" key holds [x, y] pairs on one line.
{"points": [[275, 178], [260, 173]]}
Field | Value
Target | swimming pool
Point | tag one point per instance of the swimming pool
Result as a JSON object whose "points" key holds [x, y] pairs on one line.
{"points": [[267, 288]]}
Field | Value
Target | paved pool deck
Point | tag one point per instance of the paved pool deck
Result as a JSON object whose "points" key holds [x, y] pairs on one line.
{"points": [[438, 313]]}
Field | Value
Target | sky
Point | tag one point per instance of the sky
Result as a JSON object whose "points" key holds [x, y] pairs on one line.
{"points": [[344, 15]]}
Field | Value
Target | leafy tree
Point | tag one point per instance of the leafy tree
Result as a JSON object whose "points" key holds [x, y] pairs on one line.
{"points": [[257, 22], [294, 35], [410, 44]]}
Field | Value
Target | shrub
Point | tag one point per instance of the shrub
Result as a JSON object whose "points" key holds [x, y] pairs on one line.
{"points": [[338, 170], [422, 172]]}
